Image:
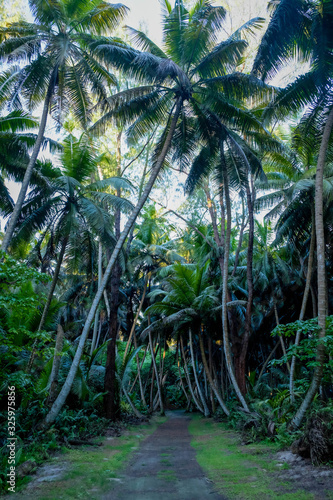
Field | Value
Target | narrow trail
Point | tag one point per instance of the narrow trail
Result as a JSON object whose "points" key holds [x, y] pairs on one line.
{"points": [[165, 467]]}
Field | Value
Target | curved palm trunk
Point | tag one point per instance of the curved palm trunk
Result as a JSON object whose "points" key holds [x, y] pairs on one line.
{"points": [[321, 275], [303, 308], [156, 374], [139, 371], [226, 343], [143, 399], [210, 353], [280, 337], [240, 240], [249, 277], [111, 398], [188, 380], [132, 405], [203, 401], [53, 284], [265, 364], [188, 399], [210, 378], [136, 316], [49, 299], [58, 404], [56, 364], [27, 176], [93, 342]]}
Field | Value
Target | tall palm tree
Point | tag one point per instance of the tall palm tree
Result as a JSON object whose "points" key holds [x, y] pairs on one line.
{"points": [[68, 205], [292, 179], [307, 26], [174, 79], [61, 72]]}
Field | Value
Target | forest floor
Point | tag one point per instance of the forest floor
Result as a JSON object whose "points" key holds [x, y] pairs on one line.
{"points": [[180, 457]]}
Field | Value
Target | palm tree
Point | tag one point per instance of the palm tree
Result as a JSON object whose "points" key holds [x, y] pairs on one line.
{"points": [[68, 206], [60, 71], [174, 79], [15, 143], [306, 26], [189, 299], [292, 178], [234, 163]]}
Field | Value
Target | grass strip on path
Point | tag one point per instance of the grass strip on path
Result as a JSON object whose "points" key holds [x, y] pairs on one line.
{"points": [[92, 470], [242, 472]]}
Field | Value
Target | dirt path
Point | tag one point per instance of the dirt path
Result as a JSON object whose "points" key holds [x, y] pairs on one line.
{"points": [[164, 468]]}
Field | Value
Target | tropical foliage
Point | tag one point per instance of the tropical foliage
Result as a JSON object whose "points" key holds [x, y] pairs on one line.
{"points": [[118, 295]]}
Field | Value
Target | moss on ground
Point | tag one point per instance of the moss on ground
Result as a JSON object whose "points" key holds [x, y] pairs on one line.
{"points": [[242, 472]]}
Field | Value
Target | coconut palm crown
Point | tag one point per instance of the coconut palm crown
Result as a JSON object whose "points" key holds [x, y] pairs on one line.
{"points": [[56, 68]]}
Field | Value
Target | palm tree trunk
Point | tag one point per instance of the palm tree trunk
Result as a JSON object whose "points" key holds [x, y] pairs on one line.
{"points": [[49, 299], [314, 302], [137, 315], [265, 364], [156, 374], [111, 398], [226, 343], [303, 308], [93, 342], [280, 337], [249, 276], [143, 399], [321, 275], [240, 240], [56, 363], [210, 378], [211, 373], [139, 371], [202, 399], [188, 380], [27, 176], [107, 305], [188, 399], [53, 284], [132, 405], [58, 404]]}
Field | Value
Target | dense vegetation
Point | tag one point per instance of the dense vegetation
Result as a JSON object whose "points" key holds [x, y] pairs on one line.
{"points": [[114, 302]]}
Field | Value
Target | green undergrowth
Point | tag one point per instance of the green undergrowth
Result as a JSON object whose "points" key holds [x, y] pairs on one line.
{"points": [[242, 472], [92, 470]]}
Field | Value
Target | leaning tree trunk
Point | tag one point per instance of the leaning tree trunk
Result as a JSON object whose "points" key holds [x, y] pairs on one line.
{"points": [[188, 398], [249, 277], [226, 343], [94, 338], [156, 374], [58, 404], [303, 308], [132, 405], [210, 378], [49, 299], [321, 275], [28, 173], [240, 239], [283, 346], [265, 364], [136, 316], [188, 379], [56, 364], [53, 284], [203, 401], [112, 396], [143, 399]]}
